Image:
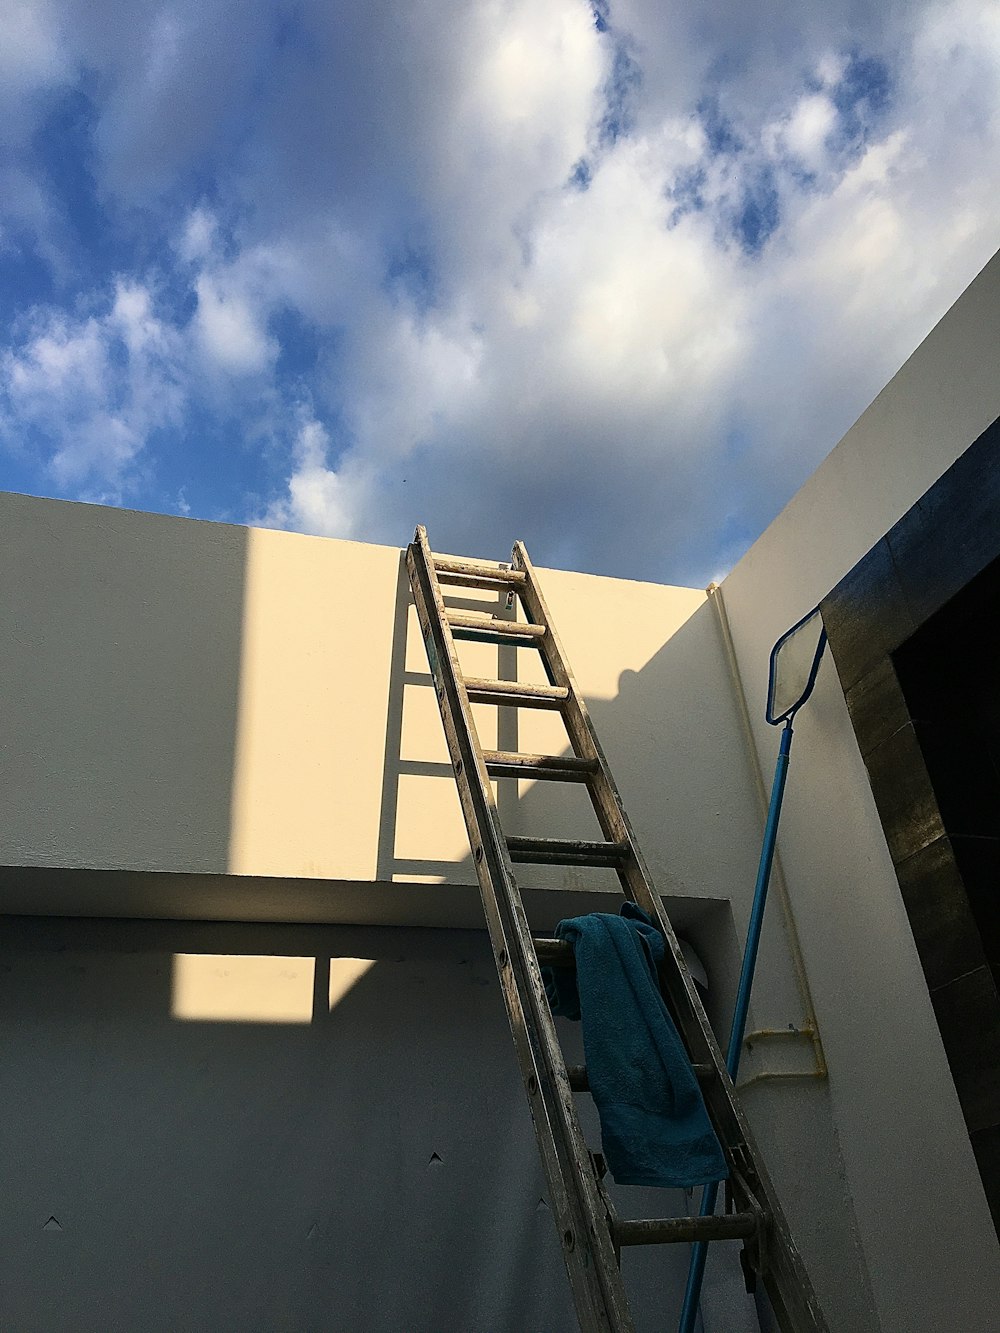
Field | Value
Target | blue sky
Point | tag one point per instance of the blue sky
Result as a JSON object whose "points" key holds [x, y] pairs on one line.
{"points": [[611, 276]]}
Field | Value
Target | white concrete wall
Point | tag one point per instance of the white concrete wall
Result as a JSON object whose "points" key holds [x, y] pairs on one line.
{"points": [[185, 698], [204, 719], [790, 1107], [929, 1244]]}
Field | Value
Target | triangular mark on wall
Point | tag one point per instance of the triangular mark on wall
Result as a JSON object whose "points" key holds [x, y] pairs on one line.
{"points": [[52, 1225], [435, 1160], [543, 1207], [313, 1232]]}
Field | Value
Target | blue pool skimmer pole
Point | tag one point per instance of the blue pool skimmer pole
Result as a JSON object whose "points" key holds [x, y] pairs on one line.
{"points": [[699, 1251]]}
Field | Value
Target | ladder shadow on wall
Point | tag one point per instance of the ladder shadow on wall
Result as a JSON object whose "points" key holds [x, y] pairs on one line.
{"points": [[411, 692], [634, 732]]}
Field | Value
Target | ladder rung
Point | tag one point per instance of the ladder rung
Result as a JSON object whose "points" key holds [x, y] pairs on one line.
{"points": [[552, 767], [579, 1081], [493, 628], [671, 1230], [457, 569], [499, 581], [515, 693], [555, 953], [566, 852]]}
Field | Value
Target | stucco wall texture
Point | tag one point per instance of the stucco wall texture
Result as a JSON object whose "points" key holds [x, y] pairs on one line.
{"points": [[211, 722], [220, 723], [221, 1128], [195, 697]]}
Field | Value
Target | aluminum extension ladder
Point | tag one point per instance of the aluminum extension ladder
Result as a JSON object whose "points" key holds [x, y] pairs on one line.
{"points": [[590, 1233]]}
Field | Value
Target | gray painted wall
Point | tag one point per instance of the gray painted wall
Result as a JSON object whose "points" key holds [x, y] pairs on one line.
{"points": [[120, 664], [198, 1155]]}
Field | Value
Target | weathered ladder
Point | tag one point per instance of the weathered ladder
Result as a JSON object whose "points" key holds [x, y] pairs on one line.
{"points": [[590, 1232]]}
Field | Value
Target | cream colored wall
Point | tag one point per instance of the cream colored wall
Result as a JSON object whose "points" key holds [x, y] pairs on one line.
{"points": [[611, 629], [184, 697], [929, 1244], [316, 644]]}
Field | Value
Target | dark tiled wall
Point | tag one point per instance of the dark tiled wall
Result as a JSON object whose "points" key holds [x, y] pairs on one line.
{"points": [[915, 632]]}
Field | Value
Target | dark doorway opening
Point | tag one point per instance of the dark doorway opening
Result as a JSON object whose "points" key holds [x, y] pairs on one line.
{"points": [[949, 672]]}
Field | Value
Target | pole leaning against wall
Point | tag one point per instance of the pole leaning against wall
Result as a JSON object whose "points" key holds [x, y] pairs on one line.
{"points": [[793, 667]]}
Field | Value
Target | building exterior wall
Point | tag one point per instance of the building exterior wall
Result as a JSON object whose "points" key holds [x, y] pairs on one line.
{"points": [[915, 635], [194, 697], [224, 723], [237, 725], [907, 1157], [211, 702]]}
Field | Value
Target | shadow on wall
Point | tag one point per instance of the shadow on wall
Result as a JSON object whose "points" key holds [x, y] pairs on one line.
{"points": [[166, 1109], [358, 1155], [670, 745], [123, 654], [255, 1125], [225, 1126], [411, 695], [675, 744]]}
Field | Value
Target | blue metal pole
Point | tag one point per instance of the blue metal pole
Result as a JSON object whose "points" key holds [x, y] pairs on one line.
{"points": [[699, 1252], [759, 903]]}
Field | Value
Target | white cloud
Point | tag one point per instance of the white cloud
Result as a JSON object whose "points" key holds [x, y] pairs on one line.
{"points": [[87, 393], [235, 297], [807, 129], [634, 384], [199, 238], [230, 329], [31, 53], [319, 500]]}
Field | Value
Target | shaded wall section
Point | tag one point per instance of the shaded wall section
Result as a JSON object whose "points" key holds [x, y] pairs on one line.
{"points": [[120, 649], [677, 719], [218, 1127]]}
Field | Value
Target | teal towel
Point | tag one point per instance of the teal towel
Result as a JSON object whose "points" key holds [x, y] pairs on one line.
{"points": [[654, 1126]]}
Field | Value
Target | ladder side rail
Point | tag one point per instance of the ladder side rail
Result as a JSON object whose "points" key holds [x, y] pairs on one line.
{"points": [[584, 1227], [636, 880], [783, 1271], [615, 825]]}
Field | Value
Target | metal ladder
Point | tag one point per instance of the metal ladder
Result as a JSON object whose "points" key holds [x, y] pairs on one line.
{"points": [[591, 1234]]}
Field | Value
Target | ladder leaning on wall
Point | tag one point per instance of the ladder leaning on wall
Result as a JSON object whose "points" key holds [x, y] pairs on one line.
{"points": [[590, 1233]]}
